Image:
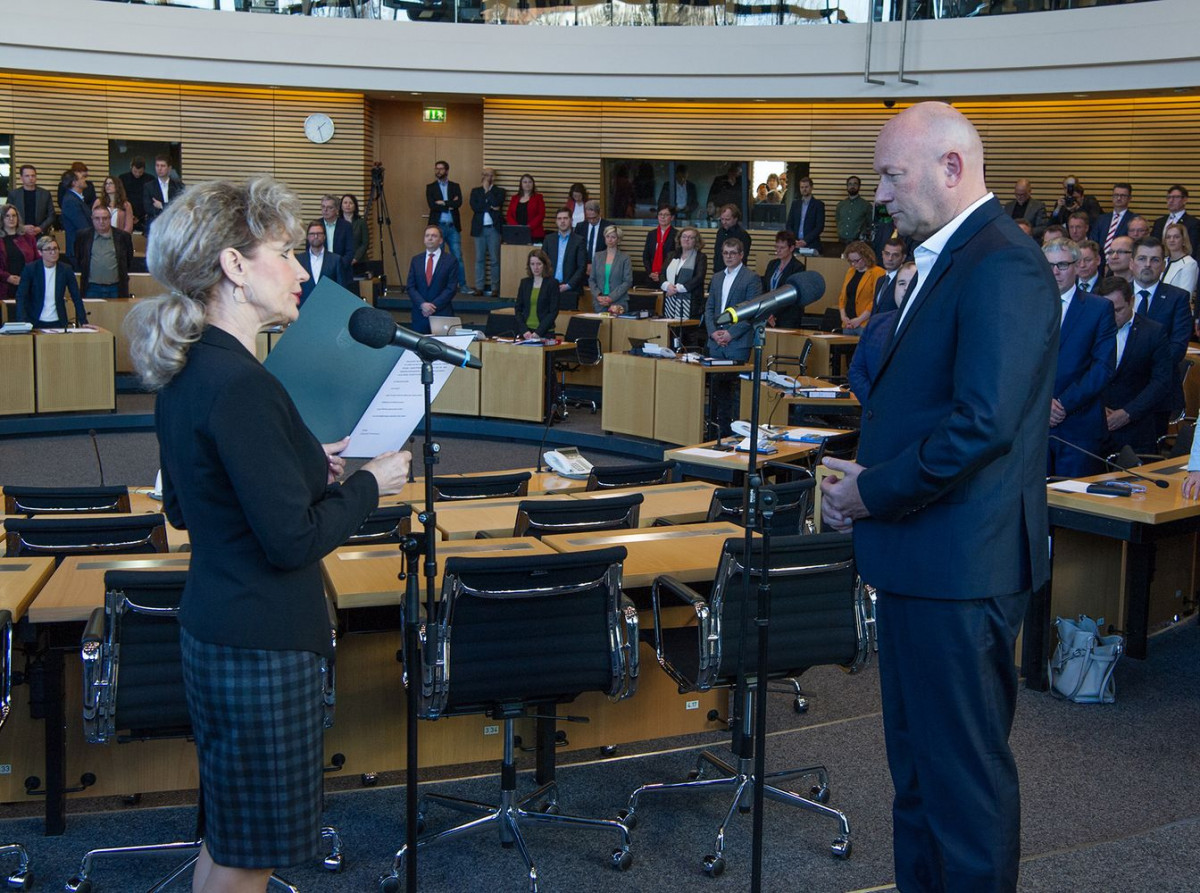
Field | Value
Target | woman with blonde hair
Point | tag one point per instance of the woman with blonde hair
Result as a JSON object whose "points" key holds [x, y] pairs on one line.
{"points": [[683, 281], [260, 498], [612, 275], [1182, 270], [858, 288]]}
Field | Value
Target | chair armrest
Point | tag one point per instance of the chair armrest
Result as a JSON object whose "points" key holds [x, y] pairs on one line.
{"points": [[97, 672], [94, 630], [684, 593], [664, 522], [631, 645]]}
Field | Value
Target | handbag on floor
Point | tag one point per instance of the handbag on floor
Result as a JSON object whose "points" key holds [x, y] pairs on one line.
{"points": [[1081, 668]]}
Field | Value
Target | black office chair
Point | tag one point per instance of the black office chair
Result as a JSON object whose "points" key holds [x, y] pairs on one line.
{"points": [[387, 524], [65, 500], [500, 325], [133, 691], [22, 878], [793, 505], [819, 615], [481, 486], [585, 333], [637, 474], [63, 537], [523, 633], [539, 518], [796, 362]]}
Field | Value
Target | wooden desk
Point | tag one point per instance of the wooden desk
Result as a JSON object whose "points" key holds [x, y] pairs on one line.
{"points": [[778, 407], [516, 379], [77, 587], [110, 314], [17, 393], [733, 463], [830, 353], [74, 371], [540, 483], [683, 503], [628, 406], [20, 581], [1130, 560], [460, 394], [661, 331], [461, 520]]}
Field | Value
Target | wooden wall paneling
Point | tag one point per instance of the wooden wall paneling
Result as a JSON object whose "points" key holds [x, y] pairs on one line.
{"points": [[59, 121], [311, 169], [137, 110], [7, 115]]}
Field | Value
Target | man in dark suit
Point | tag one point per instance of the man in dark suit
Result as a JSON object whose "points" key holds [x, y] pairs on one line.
{"points": [[339, 236], [947, 502], [1143, 376], [432, 282], [591, 229], [568, 260], [34, 203], [730, 287], [1177, 199], [679, 194], [87, 190], [891, 258], [806, 217], [731, 227], [444, 197], [135, 180], [661, 243], [160, 191], [1108, 226], [321, 264], [1087, 268], [487, 219], [1169, 307], [32, 305], [1025, 207], [102, 256], [75, 216], [1087, 356], [782, 267]]}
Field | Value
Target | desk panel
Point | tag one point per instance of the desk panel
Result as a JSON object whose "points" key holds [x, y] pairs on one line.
{"points": [[110, 314], [74, 371], [629, 405], [16, 375], [460, 394]]}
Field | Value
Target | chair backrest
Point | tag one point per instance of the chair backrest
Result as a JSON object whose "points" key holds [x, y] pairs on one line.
{"points": [[501, 325], [840, 446], [539, 518], [516, 631], [831, 320], [819, 613], [793, 505], [481, 486], [62, 537], [638, 474], [581, 327], [65, 500], [387, 524], [588, 352]]}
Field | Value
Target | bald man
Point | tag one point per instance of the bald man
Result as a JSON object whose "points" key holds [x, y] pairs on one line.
{"points": [[1025, 207], [947, 501]]}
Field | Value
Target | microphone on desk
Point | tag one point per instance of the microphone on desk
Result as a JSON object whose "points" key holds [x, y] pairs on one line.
{"points": [[1126, 453], [375, 328], [806, 287]]}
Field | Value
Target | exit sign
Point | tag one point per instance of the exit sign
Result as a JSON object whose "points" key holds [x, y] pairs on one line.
{"points": [[433, 115]]}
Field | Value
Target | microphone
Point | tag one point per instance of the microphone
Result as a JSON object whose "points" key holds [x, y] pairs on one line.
{"points": [[375, 328], [806, 288], [96, 448], [1158, 482]]}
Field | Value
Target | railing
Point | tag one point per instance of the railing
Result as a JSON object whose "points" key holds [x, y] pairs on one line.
{"points": [[644, 12]]}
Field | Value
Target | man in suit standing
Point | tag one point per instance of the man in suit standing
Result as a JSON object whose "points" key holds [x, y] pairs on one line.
{"points": [[1177, 199], [321, 264], [432, 281], [41, 295], [102, 256], [1025, 207], [679, 194], [1087, 356], [1143, 376], [76, 217], [891, 259], [160, 191], [661, 243], [947, 502], [339, 235], [731, 227], [135, 180], [568, 260], [34, 203], [730, 287], [1108, 226], [806, 217], [444, 198], [487, 205], [591, 230], [1087, 268], [88, 191], [1169, 307]]}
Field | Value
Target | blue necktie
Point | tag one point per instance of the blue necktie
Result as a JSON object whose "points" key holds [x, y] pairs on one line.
{"points": [[562, 252]]}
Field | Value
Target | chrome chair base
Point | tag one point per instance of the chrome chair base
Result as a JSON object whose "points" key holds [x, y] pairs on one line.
{"points": [[22, 878]]}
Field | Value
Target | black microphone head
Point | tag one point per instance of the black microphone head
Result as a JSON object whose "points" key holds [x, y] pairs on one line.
{"points": [[809, 285], [372, 327]]}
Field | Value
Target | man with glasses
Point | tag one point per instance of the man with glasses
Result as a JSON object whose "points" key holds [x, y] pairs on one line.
{"points": [[103, 256], [1169, 307], [1087, 358], [1177, 199], [1109, 226], [730, 287], [44, 283], [1117, 258], [1025, 207], [1088, 267]]}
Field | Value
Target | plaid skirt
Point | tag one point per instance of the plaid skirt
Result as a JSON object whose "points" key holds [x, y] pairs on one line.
{"points": [[258, 720]]}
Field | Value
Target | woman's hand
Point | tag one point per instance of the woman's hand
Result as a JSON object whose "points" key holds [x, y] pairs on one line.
{"points": [[603, 300], [337, 465], [1191, 485], [390, 470]]}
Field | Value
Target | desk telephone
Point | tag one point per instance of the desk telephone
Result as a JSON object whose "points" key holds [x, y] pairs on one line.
{"points": [[568, 462]]}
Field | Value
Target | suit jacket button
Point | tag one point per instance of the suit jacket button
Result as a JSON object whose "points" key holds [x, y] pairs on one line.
{"points": [[870, 415]]}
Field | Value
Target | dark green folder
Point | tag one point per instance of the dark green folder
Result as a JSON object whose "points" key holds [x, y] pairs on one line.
{"points": [[330, 376]]}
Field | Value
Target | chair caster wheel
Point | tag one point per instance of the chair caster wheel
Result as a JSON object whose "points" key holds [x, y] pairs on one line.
{"points": [[840, 848], [627, 818], [389, 884], [79, 885], [608, 750], [694, 774], [21, 880], [549, 809], [369, 779], [335, 862], [713, 866], [820, 793], [420, 824], [622, 859], [800, 704]]}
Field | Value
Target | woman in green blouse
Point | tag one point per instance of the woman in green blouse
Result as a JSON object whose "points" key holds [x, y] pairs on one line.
{"points": [[537, 297]]}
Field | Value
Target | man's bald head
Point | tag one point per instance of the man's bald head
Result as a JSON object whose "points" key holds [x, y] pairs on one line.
{"points": [[930, 163]]}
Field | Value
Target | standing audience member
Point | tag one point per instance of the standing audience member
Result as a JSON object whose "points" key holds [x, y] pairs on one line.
{"points": [[854, 213], [612, 275], [806, 217], [868, 353], [34, 203], [88, 191], [487, 200], [592, 229], [103, 255], [660, 245], [680, 193], [320, 263], [568, 261], [1177, 199], [683, 281], [1087, 268], [537, 297], [1169, 307], [528, 208], [41, 294], [444, 198], [730, 218], [339, 235], [134, 180], [18, 249], [887, 297], [113, 199], [858, 287], [577, 197], [258, 528], [1025, 207], [1182, 269], [75, 215], [1107, 227], [161, 191], [782, 267], [733, 285], [432, 281], [358, 228]]}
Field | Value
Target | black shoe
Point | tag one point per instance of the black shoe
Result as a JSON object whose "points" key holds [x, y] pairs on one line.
{"points": [[489, 294]]}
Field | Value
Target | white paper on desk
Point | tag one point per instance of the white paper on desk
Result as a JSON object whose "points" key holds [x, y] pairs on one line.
{"points": [[399, 404], [704, 452], [1077, 487]]}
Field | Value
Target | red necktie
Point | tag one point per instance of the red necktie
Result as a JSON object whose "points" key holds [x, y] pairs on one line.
{"points": [[429, 269]]}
